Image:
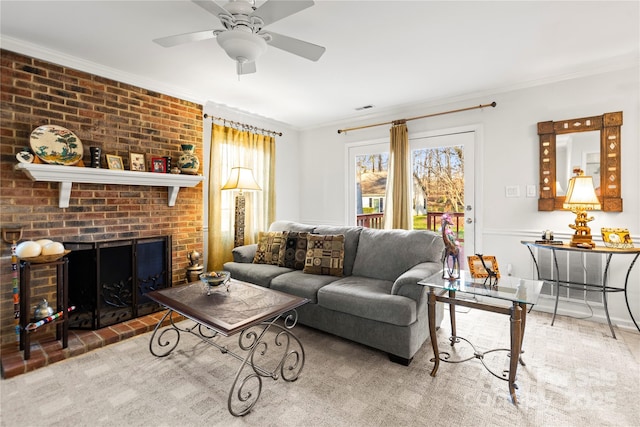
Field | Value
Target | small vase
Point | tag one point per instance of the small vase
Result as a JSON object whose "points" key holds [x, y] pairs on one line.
{"points": [[188, 161], [95, 156]]}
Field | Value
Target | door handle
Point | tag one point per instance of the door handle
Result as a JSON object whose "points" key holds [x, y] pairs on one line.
{"points": [[469, 220]]}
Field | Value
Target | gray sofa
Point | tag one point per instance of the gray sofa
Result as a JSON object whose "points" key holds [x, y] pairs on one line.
{"points": [[377, 301]]}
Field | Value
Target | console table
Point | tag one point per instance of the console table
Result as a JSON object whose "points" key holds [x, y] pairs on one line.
{"points": [[604, 287]]}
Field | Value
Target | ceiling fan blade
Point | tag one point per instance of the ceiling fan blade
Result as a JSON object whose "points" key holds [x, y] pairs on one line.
{"points": [[301, 48], [171, 41], [246, 68], [274, 10], [211, 6]]}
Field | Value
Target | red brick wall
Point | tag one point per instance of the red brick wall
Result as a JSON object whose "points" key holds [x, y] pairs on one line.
{"points": [[105, 113]]}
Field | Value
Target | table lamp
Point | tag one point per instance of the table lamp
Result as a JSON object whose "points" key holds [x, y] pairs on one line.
{"points": [[581, 197], [240, 179]]}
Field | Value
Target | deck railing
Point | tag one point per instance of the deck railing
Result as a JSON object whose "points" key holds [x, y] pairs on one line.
{"points": [[370, 220]]}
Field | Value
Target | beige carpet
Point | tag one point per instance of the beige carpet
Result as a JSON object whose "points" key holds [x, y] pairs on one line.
{"points": [[576, 375]]}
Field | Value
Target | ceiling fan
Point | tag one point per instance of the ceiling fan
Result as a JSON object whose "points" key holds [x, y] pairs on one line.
{"points": [[243, 38]]}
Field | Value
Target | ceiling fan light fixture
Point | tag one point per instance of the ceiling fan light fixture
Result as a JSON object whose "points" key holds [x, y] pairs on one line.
{"points": [[242, 46]]}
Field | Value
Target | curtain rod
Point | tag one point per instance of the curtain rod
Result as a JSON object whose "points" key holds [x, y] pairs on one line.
{"points": [[243, 125], [493, 104]]}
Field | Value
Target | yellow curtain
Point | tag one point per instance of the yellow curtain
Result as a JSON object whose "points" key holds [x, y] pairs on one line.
{"points": [[231, 147], [397, 209]]}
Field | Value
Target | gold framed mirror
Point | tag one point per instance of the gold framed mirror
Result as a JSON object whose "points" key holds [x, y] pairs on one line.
{"points": [[592, 144]]}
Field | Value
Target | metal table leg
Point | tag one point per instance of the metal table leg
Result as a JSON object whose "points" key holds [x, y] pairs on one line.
{"points": [[626, 298]]}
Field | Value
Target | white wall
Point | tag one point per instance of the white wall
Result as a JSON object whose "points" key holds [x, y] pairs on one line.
{"points": [[508, 156]]}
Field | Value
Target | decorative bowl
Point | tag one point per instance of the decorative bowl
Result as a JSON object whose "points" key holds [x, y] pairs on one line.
{"points": [[215, 278], [43, 259]]}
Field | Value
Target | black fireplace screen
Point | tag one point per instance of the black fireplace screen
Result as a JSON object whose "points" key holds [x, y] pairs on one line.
{"points": [[108, 280]]}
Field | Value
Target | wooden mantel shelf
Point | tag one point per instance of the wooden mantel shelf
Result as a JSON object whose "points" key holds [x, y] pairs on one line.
{"points": [[67, 175]]}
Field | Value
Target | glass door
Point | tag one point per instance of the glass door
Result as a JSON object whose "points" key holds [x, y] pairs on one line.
{"points": [[443, 187], [443, 183], [368, 166]]}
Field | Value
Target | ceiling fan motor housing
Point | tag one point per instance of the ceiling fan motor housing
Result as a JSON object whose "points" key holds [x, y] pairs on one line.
{"points": [[242, 46], [240, 7]]}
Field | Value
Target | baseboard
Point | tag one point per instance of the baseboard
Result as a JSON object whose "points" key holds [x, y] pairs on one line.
{"points": [[579, 310]]}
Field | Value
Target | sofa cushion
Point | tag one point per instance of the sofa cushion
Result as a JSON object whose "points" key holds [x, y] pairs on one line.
{"points": [[290, 226], [260, 274], [386, 254], [294, 250], [351, 238], [269, 244], [300, 284], [368, 298], [325, 254]]}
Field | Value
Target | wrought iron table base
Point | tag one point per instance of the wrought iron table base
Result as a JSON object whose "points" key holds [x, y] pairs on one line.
{"points": [[246, 388], [445, 356], [589, 287]]}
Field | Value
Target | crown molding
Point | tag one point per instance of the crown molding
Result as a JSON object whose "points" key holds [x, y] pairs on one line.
{"points": [[606, 65], [618, 63]]}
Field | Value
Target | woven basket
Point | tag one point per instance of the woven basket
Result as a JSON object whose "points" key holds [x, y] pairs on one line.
{"points": [[41, 259]]}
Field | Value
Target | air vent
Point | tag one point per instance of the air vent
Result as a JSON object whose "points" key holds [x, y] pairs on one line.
{"points": [[364, 107]]}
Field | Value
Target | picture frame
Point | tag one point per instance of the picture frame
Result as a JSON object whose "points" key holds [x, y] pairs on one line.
{"points": [[137, 162], [159, 165], [477, 270], [114, 162], [619, 238]]}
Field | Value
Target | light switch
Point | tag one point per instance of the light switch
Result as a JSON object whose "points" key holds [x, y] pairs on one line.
{"points": [[531, 191], [512, 191]]}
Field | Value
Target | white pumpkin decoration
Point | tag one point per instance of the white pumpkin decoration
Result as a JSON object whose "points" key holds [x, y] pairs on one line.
{"points": [[44, 242], [28, 249], [53, 248]]}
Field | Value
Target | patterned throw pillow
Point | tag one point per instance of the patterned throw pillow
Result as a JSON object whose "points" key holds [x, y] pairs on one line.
{"points": [[269, 244], [325, 254], [294, 250]]}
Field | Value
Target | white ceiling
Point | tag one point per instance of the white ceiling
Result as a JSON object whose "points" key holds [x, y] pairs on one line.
{"points": [[384, 53]]}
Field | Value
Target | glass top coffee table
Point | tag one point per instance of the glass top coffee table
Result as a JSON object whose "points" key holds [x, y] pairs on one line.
{"points": [[241, 308], [517, 293]]}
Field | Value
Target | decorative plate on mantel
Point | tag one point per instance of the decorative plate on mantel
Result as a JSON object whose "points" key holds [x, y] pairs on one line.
{"points": [[56, 145]]}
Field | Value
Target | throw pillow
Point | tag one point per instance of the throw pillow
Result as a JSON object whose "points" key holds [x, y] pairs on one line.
{"points": [[269, 244], [294, 250], [325, 254]]}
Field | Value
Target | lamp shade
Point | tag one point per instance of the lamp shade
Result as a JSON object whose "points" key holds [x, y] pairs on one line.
{"points": [[241, 179], [581, 194]]}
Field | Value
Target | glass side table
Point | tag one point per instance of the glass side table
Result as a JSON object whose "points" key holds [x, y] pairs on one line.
{"points": [[518, 292]]}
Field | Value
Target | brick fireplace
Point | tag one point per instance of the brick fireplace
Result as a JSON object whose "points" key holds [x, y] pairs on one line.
{"points": [[117, 117]]}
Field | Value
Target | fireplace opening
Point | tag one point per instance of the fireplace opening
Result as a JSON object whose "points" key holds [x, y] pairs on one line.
{"points": [[109, 280]]}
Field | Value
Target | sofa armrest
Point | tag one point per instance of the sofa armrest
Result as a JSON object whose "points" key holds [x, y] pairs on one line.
{"points": [[407, 284], [244, 253]]}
